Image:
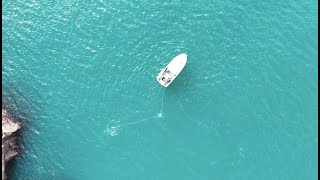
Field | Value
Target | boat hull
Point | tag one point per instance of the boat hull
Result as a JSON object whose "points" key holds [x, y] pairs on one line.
{"points": [[172, 70]]}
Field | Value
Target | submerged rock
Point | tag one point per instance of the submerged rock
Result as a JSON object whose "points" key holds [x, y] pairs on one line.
{"points": [[9, 140]]}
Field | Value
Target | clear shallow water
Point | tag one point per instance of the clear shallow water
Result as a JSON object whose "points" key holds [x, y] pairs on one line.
{"points": [[243, 108]]}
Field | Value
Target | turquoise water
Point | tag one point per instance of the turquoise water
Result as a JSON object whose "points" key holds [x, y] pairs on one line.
{"points": [[244, 107]]}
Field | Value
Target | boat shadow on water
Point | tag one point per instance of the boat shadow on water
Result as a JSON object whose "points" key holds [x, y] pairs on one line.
{"points": [[182, 84]]}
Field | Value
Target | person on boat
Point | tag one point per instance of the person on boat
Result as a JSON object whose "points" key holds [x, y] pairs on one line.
{"points": [[168, 80]]}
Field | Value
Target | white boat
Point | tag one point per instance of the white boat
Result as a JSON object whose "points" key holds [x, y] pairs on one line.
{"points": [[172, 70]]}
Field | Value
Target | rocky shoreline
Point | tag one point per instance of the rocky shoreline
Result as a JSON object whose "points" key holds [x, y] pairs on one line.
{"points": [[9, 140]]}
